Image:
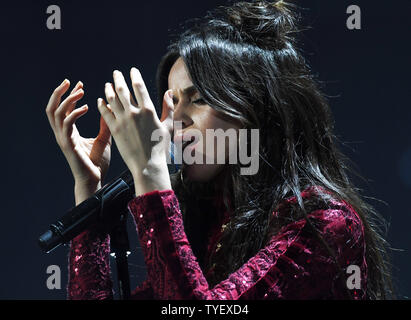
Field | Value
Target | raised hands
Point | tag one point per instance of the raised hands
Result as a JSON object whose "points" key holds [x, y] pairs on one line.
{"points": [[88, 158], [132, 122]]}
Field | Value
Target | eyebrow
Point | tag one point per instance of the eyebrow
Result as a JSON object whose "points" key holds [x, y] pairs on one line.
{"points": [[189, 90]]}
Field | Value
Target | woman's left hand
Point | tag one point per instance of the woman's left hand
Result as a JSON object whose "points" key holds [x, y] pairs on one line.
{"points": [[132, 125]]}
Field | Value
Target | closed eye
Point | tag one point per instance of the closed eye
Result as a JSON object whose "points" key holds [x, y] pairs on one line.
{"points": [[199, 101]]}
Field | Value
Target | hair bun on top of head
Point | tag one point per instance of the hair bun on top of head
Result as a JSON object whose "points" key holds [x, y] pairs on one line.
{"points": [[262, 21]]}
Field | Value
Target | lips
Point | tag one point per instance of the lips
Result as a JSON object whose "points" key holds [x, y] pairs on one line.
{"points": [[178, 138], [184, 140], [185, 144]]}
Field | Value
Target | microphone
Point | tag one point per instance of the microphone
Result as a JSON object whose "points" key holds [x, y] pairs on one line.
{"points": [[104, 209]]}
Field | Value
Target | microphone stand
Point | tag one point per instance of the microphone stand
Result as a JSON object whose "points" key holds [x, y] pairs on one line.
{"points": [[120, 249], [115, 225], [107, 209]]}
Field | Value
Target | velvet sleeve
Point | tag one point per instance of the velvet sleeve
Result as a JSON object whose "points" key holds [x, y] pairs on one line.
{"points": [[293, 265], [89, 269]]}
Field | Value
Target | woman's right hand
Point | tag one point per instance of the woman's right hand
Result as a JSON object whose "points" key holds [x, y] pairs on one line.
{"points": [[88, 158]]}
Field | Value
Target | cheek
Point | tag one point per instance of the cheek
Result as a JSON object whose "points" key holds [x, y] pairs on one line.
{"points": [[220, 146], [203, 172], [220, 149], [219, 137]]}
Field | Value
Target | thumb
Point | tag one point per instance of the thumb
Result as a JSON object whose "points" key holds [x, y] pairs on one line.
{"points": [[168, 110], [104, 133]]}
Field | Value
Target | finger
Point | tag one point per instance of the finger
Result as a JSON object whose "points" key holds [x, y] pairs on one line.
{"points": [[67, 106], [133, 101], [104, 133], [70, 107], [168, 110], [109, 108], [78, 86], [113, 100], [140, 90], [69, 121], [54, 101], [122, 90], [106, 112]]}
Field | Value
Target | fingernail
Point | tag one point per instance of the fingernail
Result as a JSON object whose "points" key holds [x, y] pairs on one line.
{"points": [[64, 82], [170, 94]]}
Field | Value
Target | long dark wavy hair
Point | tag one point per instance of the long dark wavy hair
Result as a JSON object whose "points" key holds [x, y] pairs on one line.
{"points": [[245, 62]]}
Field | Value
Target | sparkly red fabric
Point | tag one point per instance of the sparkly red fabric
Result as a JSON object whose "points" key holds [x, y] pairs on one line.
{"points": [[293, 265]]}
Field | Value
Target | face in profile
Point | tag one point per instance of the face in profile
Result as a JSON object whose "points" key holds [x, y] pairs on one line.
{"points": [[193, 115]]}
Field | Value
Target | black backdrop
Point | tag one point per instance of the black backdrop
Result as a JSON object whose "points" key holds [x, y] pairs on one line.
{"points": [[366, 74]]}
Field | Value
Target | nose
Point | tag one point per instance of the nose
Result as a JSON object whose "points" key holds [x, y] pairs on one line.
{"points": [[181, 116]]}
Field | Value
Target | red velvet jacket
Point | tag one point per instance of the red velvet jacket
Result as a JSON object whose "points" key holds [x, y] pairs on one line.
{"points": [[293, 265]]}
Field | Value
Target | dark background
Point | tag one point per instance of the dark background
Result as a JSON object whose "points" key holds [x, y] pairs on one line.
{"points": [[365, 72]]}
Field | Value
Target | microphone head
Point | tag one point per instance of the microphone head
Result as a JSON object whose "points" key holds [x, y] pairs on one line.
{"points": [[48, 241]]}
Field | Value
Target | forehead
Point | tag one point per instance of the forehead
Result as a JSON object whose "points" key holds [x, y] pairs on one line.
{"points": [[178, 78]]}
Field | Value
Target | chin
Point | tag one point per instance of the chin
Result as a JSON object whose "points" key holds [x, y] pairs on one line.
{"points": [[202, 172]]}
